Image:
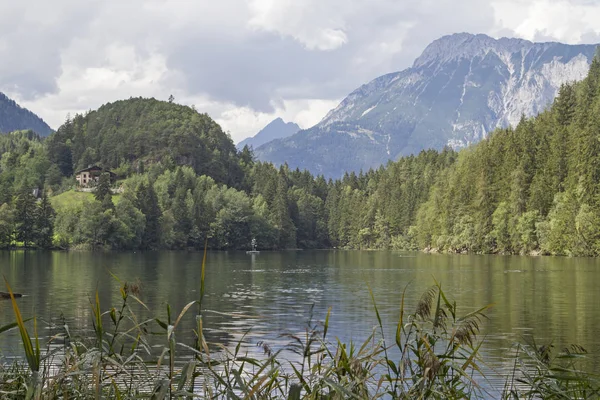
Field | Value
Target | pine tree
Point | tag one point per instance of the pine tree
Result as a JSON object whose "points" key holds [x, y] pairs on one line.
{"points": [[147, 203], [107, 203], [565, 105], [103, 187], [281, 216], [25, 217], [7, 227], [183, 221], [44, 223]]}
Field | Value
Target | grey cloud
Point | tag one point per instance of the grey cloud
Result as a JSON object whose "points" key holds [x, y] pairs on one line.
{"points": [[213, 50], [256, 69], [590, 37], [32, 38], [543, 36], [253, 71]]}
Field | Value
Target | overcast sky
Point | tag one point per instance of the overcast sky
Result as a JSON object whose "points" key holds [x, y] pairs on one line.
{"points": [[244, 62]]}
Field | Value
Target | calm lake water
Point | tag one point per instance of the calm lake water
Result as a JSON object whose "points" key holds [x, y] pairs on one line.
{"points": [[551, 299]]}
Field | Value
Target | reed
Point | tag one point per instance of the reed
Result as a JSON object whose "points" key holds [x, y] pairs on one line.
{"points": [[434, 354]]}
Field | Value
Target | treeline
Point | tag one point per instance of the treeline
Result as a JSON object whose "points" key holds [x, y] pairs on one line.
{"points": [[376, 210], [27, 221], [178, 209], [534, 188], [183, 179], [173, 207], [531, 189]]}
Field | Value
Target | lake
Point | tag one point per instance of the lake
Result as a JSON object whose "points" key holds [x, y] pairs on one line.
{"points": [[550, 299]]}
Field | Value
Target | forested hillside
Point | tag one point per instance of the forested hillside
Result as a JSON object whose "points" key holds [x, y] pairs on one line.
{"points": [[183, 182], [127, 135], [14, 118], [456, 93], [534, 188]]}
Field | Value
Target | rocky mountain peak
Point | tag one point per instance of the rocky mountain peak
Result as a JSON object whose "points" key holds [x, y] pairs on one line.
{"points": [[459, 90], [468, 46], [276, 129]]}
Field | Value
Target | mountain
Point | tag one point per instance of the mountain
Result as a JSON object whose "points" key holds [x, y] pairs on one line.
{"points": [[15, 118], [277, 129], [138, 133], [461, 88]]}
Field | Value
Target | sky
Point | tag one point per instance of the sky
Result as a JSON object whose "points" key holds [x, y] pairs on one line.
{"points": [[244, 62]]}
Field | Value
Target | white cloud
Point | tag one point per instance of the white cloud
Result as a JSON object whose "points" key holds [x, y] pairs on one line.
{"points": [[568, 21], [243, 122], [245, 62], [316, 24]]}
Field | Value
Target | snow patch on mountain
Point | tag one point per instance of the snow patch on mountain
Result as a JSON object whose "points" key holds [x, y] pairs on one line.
{"points": [[529, 93], [459, 90], [368, 110]]}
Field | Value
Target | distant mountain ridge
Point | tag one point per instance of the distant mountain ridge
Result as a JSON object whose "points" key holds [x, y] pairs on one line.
{"points": [[140, 132], [276, 129], [15, 118], [462, 87]]}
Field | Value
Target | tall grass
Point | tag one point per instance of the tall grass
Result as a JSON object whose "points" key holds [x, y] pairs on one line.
{"points": [[434, 354]]}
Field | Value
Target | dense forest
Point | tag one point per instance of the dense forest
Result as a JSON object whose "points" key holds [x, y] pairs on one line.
{"points": [[13, 118], [534, 188]]}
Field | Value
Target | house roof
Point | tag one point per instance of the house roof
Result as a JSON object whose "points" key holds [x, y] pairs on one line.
{"points": [[94, 168]]}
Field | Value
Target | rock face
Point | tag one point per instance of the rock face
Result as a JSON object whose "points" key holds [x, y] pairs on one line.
{"points": [[461, 88], [277, 129], [15, 118]]}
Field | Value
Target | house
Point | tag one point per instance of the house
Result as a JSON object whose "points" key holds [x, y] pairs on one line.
{"points": [[90, 175]]}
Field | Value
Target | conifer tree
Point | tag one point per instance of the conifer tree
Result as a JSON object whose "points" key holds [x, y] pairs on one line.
{"points": [[103, 187], [147, 203], [7, 228], [183, 222], [25, 217], [281, 216], [44, 223]]}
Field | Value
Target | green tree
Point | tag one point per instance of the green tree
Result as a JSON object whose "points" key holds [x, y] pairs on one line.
{"points": [[147, 203], [182, 217], [166, 230], [501, 234], [66, 224], [129, 225], [95, 225], [561, 234], [25, 217], [281, 216], [587, 222], [527, 231], [7, 225], [44, 223], [103, 188], [231, 228], [261, 228]]}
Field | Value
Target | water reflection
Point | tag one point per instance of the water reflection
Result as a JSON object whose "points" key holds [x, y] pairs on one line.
{"points": [[270, 293]]}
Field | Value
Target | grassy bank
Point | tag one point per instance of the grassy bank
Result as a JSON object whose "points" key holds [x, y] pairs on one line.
{"points": [[434, 353], [73, 199]]}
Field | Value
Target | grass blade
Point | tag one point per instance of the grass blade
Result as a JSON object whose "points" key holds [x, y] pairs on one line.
{"points": [[202, 275], [326, 326], [30, 354]]}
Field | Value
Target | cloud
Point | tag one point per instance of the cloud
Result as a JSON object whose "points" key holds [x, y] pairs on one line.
{"points": [[318, 25], [244, 121], [33, 35], [569, 21], [244, 62]]}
